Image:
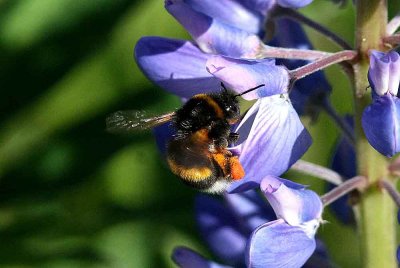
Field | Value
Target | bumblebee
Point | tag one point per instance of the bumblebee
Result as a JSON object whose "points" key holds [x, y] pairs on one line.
{"points": [[198, 151]]}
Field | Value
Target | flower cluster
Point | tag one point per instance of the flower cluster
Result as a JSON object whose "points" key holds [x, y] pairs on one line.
{"points": [[229, 45], [243, 229], [222, 50]]}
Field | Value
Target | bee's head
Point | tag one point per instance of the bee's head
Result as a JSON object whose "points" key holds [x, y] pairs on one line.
{"points": [[229, 104]]}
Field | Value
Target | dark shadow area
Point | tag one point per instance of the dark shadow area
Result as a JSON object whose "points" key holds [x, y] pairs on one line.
{"points": [[25, 74]]}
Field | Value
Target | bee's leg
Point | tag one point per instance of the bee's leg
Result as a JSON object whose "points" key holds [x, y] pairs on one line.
{"points": [[219, 146], [233, 137], [236, 169], [219, 134], [221, 143], [229, 165], [212, 148]]}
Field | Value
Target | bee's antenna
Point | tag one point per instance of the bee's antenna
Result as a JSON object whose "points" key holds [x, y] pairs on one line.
{"points": [[251, 89]]}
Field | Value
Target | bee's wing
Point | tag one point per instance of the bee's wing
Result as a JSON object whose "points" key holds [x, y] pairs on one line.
{"points": [[128, 121]]}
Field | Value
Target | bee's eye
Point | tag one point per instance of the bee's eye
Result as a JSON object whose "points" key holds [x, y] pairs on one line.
{"points": [[231, 108]]}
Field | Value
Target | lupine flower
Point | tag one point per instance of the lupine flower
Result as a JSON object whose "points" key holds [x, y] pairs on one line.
{"points": [[271, 126], [231, 36], [381, 119], [186, 258], [272, 136], [248, 16], [293, 3], [177, 66], [398, 248], [212, 35], [246, 228], [290, 240], [231, 223]]}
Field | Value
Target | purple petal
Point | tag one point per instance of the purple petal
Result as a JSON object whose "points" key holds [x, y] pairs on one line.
{"points": [[381, 124], [175, 65], [294, 3], [213, 36], [272, 138], [261, 6], [289, 33], [250, 208], [230, 12], [277, 244], [187, 258], [384, 72], [297, 206], [220, 229], [241, 75]]}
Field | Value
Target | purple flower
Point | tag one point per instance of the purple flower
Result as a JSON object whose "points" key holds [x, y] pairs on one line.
{"points": [[252, 73], [245, 15], [398, 248], [272, 136], [245, 228], [184, 75], [288, 241], [293, 3], [270, 128], [398, 254], [187, 258], [381, 119], [384, 72], [226, 226], [215, 28], [211, 35]]}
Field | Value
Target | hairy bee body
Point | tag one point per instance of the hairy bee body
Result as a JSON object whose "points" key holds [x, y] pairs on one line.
{"points": [[198, 152], [198, 166]]}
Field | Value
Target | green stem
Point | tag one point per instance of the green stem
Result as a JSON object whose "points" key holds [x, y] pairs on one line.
{"points": [[376, 211]]}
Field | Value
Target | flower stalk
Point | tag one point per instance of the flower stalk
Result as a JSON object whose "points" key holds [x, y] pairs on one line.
{"points": [[358, 182], [338, 57], [317, 171], [391, 190], [291, 53], [392, 39], [376, 214]]}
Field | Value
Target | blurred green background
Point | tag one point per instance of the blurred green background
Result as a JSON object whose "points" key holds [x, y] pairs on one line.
{"points": [[73, 195]]}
